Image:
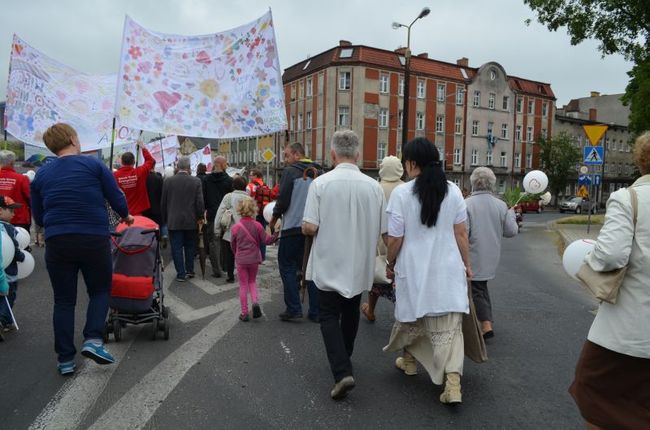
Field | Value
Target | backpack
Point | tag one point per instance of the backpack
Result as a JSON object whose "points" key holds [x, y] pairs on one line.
{"points": [[262, 196]]}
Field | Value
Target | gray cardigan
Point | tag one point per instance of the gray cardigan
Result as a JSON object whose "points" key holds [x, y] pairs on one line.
{"points": [[488, 219], [182, 202]]}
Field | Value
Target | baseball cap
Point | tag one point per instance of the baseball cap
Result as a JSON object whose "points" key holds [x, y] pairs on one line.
{"points": [[8, 203]]}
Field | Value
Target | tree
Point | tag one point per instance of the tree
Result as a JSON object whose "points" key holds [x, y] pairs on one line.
{"points": [[621, 27], [558, 159]]}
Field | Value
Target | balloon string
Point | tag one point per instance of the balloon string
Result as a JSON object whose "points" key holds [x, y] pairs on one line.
{"points": [[13, 318]]}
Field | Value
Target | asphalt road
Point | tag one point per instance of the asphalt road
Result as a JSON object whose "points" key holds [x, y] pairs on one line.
{"points": [[216, 372]]}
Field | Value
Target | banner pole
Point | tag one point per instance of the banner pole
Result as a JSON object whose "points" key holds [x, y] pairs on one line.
{"points": [[162, 154], [137, 149], [110, 163]]}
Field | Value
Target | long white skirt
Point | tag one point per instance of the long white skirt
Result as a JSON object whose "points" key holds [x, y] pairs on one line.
{"points": [[435, 342]]}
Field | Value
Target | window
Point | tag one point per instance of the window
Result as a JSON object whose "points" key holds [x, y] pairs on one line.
{"points": [[383, 83], [344, 116], [531, 107], [346, 53], [518, 133], [627, 147], [460, 95], [293, 92], [612, 186], [475, 128], [544, 133], [310, 90], [344, 80], [321, 83], [401, 86], [519, 104], [529, 161], [308, 126], [506, 103], [490, 128], [459, 125], [502, 186], [477, 98], [488, 158], [301, 90], [399, 150], [504, 131], [503, 160], [419, 121], [474, 157], [544, 108], [491, 100], [382, 148], [440, 124], [292, 124], [383, 118], [457, 157], [529, 134], [607, 168], [420, 89], [441, 92], [608, 145], [517, 160], [299, 122], [400, 119], [456, 182]]}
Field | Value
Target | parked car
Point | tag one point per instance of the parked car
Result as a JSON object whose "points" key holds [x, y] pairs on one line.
{"points": [[577, 205], [532, 206]]}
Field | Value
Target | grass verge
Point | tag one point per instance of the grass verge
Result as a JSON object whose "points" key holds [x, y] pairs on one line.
{"points": [[581, 219]]}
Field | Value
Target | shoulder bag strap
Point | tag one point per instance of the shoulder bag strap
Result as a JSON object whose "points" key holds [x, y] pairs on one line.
{"points": [[248, 233], [635, 204]]}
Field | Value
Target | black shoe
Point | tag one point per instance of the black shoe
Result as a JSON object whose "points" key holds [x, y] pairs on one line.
{"points": [[257, 311], [488, 334], [286, 316], [244, 317], [314, 318], [190, 275], [230, 279]]}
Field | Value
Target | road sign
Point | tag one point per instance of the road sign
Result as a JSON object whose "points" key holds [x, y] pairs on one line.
{"points": [[584, 180], [595, 132], [597, 179], [593, 155], [584, 170], [583, 192], [268, 155]]}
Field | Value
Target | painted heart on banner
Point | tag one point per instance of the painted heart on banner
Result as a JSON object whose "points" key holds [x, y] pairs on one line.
{"points": [[166, 100], [203, 58]]}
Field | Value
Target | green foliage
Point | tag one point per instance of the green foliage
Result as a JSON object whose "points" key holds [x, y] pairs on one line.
{"points": [[637, 95], [515, 195], [581, 220], [558, 157]]}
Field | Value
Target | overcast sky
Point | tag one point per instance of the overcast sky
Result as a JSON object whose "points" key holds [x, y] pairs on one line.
{"points": [[86, 34]]}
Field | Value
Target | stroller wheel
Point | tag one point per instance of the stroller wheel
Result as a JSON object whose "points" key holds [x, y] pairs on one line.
{"points": [[166, 332], [154, 329], [117, 330], [165, 312], [105, 335]]}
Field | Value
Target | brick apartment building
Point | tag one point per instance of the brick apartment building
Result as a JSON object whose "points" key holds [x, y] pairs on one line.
{"points": [[475, 116]]}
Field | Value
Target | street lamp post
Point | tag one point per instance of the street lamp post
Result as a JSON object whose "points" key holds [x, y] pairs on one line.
{"points": [[407, 71]]}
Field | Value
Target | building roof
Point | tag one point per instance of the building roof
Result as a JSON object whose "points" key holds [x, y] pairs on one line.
{"points": [[375, 57]]}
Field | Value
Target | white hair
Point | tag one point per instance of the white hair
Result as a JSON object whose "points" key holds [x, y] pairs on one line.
{"points": [[7, 157], [483, 179], [345, 144]]}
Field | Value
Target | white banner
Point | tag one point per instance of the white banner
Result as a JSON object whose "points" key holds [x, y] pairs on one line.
{"points": [[165, 151], [201, 156], [41, 92], [218, 85]]}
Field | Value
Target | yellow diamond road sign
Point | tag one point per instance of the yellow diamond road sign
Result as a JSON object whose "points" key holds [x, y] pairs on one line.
{"points": [[268, 155], [595, 133]]}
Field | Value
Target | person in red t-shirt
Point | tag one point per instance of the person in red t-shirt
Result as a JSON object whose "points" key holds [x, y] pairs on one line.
{"points": [[133, 180], [15, 186]]}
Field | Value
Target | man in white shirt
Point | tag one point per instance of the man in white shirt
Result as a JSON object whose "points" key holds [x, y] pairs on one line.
{"points": [[345, 211]]}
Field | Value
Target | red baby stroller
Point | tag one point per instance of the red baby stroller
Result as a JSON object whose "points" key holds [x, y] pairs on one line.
{"points": [[137, 296]]}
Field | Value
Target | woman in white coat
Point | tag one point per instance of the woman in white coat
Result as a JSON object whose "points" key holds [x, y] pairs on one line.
{"points": [[612, 381], [229, 203], [428, 254]]}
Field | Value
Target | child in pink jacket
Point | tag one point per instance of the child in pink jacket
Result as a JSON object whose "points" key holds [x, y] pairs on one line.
{"points": [[246, 237]]}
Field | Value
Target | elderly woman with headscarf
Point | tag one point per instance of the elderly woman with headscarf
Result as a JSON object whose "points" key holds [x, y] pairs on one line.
{"points": [[390, 174], [428, 253], [488, 219]]}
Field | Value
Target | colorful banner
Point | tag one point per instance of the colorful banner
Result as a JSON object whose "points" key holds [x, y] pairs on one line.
{"points": [[41, 92], [165, 151], [201, 156], [218, 85]]}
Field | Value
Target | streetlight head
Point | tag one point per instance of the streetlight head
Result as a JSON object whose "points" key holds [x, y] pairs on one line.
{"points": [[396, 25], [424, 12]]}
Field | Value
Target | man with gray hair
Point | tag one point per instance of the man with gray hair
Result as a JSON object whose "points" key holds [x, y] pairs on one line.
{"points": [[488, 219], [15, 186], [345, 212], [182, 211]]}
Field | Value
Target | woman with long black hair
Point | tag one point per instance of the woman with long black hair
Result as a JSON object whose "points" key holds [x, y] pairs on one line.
{"points": [[428, 255]]}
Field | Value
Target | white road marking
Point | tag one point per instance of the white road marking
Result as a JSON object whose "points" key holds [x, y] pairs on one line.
{"points": [[70, 405], [286, 351]]}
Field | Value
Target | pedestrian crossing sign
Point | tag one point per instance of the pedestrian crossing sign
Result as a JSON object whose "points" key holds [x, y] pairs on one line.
{"points": [[593, 155]]}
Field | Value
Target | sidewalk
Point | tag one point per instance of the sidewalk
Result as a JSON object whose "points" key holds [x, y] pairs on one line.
{"points": [[571, 232]]}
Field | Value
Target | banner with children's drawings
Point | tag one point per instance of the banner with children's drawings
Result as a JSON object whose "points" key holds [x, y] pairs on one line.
{"points": [[165, 151], [218, 85], [201, 156], [41, 92]]}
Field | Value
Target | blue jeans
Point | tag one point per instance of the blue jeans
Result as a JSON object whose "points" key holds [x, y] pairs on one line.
{"points": [[65, 256], [5, 315], [290, 256], [183, 244]]}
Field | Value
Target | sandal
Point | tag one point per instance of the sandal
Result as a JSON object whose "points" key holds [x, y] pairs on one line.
{"points": [[365, 307]]}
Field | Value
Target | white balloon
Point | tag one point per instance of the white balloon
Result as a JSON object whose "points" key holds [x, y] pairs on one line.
{"points": [[268, 212], [546, 198], [535, 182], [22, 237], [25, 267], [574, 255], [30, 174], [8, 249]]}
